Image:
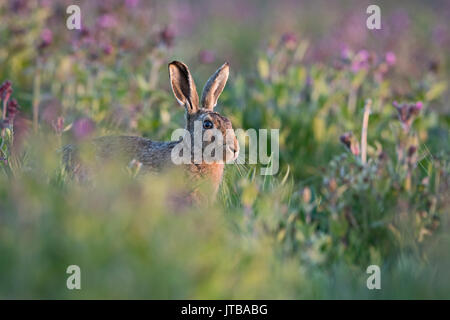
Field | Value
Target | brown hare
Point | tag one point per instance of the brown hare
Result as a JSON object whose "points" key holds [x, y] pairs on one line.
{"points": [[155, 156]]}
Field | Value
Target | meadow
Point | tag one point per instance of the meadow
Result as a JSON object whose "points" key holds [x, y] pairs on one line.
{"points": [[339, 203]]}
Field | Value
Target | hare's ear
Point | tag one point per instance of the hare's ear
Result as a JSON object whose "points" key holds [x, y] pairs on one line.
{"points": [[183, 86], [214, 87]]}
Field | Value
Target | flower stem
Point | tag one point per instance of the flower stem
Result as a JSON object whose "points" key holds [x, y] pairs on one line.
{"points": [[364, 130]]}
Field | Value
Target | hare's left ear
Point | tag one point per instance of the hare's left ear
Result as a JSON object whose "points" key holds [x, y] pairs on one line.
{"points": [[214, 87], [183, 86]]}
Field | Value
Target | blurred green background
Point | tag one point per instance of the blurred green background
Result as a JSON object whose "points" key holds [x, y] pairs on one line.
{"points": [[304, 67]]}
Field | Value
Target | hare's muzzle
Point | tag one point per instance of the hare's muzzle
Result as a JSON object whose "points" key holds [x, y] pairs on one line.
{"points": [[231, 147]]}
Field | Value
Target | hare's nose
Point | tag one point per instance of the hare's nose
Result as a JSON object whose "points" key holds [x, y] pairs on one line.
{"points": [[234, 147], [231, 148]]}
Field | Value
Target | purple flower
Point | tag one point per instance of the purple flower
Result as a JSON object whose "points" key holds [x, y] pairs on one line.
{"points": [[346, 53], [18, 6], [84, 37], [407, 112], [11, 110], [107, 21], [107, 49], [83, 128], [206, 56], [349, 140], [167, 36], [46, 38], [360, 61], [84, 32], [289, 40], [363, 55], [5, 90], [390, 58]]}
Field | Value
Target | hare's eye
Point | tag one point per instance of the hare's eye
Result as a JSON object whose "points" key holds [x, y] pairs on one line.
{"points": [[207, 124]]}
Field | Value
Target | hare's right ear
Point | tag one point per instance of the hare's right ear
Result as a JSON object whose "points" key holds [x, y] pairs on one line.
{"points": [[183, 86], [214, 87]]}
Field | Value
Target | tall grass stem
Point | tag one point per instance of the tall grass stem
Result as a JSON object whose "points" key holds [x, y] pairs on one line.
{"points": [[365, 125]]}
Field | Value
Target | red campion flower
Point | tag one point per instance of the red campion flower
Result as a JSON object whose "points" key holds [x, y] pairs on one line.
{"points": [[350, 142], [167, 36], [46, 39], [11, 110], [5, 90], [407, 112], [289, 40]]}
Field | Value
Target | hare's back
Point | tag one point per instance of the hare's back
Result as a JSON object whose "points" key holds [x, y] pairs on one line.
{"points": [[123, 146], [152, 154]]}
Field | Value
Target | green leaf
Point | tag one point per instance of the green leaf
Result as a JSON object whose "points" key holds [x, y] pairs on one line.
{"points": [[436, 91]]}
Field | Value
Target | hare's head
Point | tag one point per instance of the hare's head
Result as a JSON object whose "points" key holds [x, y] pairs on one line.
{"points": [[218, 141]]}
